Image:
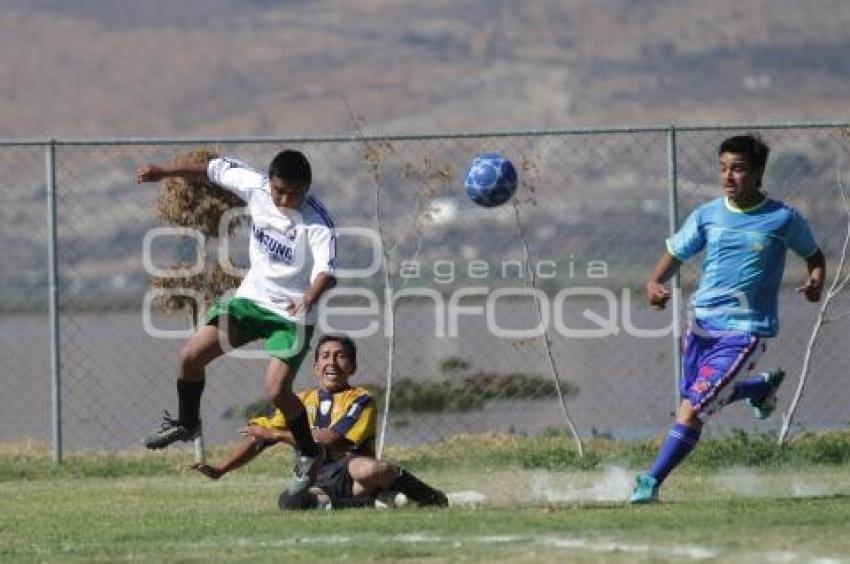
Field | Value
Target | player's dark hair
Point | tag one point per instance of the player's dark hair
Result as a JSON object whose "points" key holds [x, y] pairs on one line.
{"points": [[292, 167], [347, 345], [753, 147]]}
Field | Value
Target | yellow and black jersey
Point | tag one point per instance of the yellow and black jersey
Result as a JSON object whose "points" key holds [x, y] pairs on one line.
{"points": [[350, 413]]}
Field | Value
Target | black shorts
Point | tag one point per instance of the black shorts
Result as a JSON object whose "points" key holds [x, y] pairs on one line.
{"points": [[334, 478]]}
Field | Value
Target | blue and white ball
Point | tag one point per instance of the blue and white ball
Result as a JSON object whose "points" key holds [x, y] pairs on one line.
{"points": [[491, 180]]}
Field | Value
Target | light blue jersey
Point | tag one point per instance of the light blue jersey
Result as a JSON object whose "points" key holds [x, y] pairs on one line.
{"points": [[744, 261]]}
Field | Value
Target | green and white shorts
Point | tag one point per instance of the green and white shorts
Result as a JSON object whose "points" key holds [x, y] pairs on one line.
{"points": [[285, 340]]}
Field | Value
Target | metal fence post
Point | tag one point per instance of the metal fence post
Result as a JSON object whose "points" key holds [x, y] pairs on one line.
{"points": [[53, 304], [676, 283]]}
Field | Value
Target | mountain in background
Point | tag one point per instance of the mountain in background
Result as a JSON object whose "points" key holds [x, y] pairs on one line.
{"points": [[261, 67]]}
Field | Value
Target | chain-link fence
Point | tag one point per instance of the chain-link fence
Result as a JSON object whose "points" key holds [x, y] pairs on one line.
{"points": [[468, 355]]}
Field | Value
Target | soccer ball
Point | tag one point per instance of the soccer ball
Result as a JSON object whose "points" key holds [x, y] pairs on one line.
{"points": [[491, 180]]}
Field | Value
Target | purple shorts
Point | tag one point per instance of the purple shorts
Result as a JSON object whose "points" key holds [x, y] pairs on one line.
{"points": [[711, 361]]}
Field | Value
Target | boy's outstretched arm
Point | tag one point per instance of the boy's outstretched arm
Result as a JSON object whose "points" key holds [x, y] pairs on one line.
{"points": [[255, 437], [813, 287], [657, 293], [246, 451], [155, 173]]}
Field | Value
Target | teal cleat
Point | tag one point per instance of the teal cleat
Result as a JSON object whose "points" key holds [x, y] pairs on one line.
{"points": [[764, 408], [305, 473], [646, 490]]}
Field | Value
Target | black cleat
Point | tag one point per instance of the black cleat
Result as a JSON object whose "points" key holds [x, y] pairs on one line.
{"points": [[171, 431]]}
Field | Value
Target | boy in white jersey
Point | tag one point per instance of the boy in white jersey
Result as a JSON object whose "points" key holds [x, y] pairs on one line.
{"points": [[745, 236], [293, 260]]}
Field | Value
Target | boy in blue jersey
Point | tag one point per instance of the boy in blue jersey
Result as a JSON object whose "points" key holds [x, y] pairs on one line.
{"points": [[745, 236]]}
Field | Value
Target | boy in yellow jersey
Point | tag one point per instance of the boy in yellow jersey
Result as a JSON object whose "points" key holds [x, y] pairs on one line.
{"points": [[343, 420]]}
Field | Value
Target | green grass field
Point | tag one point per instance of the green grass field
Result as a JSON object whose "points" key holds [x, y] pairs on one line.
{"points": [[147, 507]]}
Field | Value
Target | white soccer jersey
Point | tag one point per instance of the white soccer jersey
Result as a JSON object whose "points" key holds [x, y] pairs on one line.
{"points": [[289, 248]]}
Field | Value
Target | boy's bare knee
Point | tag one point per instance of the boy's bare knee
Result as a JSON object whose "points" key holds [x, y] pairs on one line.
{"points": [[279, 377], [272, 389], [191, 360], [361, 468], [372, 473], [688, 415], [199, 351]]}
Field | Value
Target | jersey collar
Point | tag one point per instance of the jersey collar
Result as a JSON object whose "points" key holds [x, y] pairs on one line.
{"points": [[733, 208]]}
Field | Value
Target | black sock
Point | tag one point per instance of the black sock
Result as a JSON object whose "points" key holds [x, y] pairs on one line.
{"points": [[189, 402], [417, 490], [352, 502], [300, 429]]}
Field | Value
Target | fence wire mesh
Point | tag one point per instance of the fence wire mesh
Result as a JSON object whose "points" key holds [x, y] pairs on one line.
{"points": [[24, 337], [593, 206]]}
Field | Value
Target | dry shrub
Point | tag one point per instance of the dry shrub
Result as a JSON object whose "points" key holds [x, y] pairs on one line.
{"points": [[211, 284], [197, 204], [169, 302]]}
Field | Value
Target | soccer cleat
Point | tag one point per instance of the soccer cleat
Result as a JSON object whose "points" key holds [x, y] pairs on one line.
{"points": [[171, 431], [646, 490], [764, 408], [305, 472]]}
